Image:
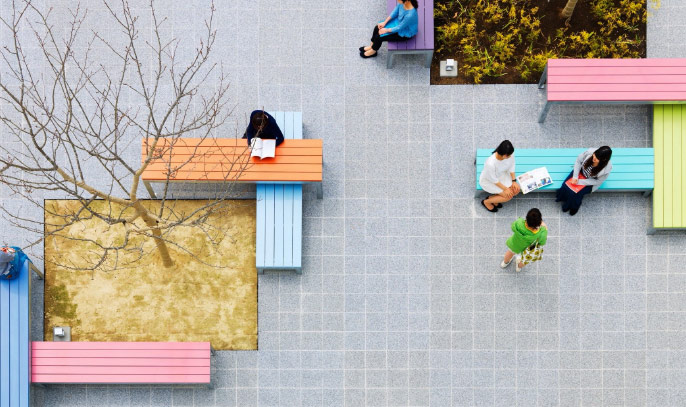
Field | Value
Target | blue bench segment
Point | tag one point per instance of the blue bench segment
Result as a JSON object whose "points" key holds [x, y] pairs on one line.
{"points": [[15, 302], [279, 227], [633, 169], [279, 213]]}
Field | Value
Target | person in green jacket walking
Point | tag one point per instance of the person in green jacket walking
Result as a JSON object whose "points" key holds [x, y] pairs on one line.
{"points": [[526, 232]]}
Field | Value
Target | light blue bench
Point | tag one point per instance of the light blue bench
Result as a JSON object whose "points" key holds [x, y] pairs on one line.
{"points": [[15, 344], [279, 213], [632, 168]]}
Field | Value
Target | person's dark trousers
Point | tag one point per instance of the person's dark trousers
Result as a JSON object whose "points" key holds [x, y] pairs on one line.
{"points": [[377, 40], [572, 200]]}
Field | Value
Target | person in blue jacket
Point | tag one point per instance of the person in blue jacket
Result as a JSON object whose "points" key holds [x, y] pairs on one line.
{"points": [[401, 25], [263, 125]]}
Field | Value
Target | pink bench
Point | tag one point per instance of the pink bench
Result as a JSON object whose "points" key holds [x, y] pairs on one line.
{"points": [[423, 42], [621, 81], [121, 362]]}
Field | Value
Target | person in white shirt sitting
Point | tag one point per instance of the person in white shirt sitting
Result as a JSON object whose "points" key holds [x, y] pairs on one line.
{"points": [[498, 177]]}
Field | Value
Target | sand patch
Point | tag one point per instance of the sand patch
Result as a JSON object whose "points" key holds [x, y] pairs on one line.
{"points": [[190, 301]]}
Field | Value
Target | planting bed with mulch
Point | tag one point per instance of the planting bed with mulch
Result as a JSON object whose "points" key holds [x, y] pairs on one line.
{"points": [[509, 41]]}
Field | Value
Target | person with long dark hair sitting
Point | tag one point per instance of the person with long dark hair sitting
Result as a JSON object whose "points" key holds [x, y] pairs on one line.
{"points": [[263, 125], [401, 25], [498, 177], [591, 169]]}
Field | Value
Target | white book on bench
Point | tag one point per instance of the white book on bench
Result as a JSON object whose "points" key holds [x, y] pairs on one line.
{"points": [[263, 148], [534, 179]]}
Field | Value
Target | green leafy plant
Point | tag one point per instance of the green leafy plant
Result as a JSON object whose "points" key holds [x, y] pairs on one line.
{"points": [[510, 41]]}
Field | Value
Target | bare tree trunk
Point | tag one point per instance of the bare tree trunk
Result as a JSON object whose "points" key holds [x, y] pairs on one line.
{"points": [[568, 10], [159, 242]]}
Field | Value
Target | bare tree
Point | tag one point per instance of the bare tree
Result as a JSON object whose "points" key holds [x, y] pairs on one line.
{"points": [[75, 104], [567, 12]]}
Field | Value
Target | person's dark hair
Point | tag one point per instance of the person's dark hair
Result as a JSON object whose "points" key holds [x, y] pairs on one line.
{"points": [[534, 218], [414, 3], [505, 148], [259, 120], [603, 154]]}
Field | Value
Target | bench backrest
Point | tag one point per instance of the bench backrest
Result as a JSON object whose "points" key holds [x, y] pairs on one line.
{"points": [[425, 30], [120, 362], [632, 168], [15, 323], [617, 80], [669, 141]]}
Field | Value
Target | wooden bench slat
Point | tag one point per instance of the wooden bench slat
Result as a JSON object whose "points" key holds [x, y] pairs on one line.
{"points": [[288, 229], [617, 97], [236, 159], [604, 62], [14, 339], [658, 143], [190, 142], [119, 379], [252, 176], [269, 232], [619, 87], [120, 353], [615, 79], [119, 370], [37, 345], [677, 162], [224, 167], [615, 70], [97, 361]]}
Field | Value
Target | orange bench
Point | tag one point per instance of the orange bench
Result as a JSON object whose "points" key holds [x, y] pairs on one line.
{"points": [[219, 160]]}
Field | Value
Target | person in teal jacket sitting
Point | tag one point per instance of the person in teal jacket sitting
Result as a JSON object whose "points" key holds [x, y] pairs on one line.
{"points": [[401, 25]]}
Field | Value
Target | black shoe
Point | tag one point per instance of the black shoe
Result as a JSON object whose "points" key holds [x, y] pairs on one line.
{"points": [[490, 210], [368, 56], [573, 212], [499, 205], [564, 209], [361, 49]]}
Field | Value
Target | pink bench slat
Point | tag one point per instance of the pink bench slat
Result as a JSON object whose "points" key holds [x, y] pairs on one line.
{"points": [[616, 96], [618, 79], [121, 370], [554, 72], [120, 379], [205, 362], [118, 353], [618, 62], [618, 87], [121, 345], [120, 362]]}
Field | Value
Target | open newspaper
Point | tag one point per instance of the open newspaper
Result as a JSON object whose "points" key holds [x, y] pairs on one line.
{"points": [[263, 148], [534, 179]]}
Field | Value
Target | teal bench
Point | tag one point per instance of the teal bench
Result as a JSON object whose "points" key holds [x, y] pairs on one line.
{"points": [[15, 336], [632, 168], [279, 213]]}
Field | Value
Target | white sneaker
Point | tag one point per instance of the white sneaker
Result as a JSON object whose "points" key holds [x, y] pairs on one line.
{"points": [[519, 260], [504, 265]]}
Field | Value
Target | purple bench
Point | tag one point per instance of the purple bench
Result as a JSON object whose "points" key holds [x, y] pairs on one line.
{"points": [[423, 42]]}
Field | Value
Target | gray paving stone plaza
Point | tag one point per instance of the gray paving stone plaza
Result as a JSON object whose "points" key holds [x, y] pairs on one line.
{"points": [[402, 300]]}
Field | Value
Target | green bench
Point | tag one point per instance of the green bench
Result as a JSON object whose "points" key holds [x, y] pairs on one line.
{"points": [[632, 168], [669, 197]]}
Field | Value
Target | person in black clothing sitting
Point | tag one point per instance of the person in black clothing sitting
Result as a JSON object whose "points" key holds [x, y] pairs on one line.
{"points": [[263, 125]]}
